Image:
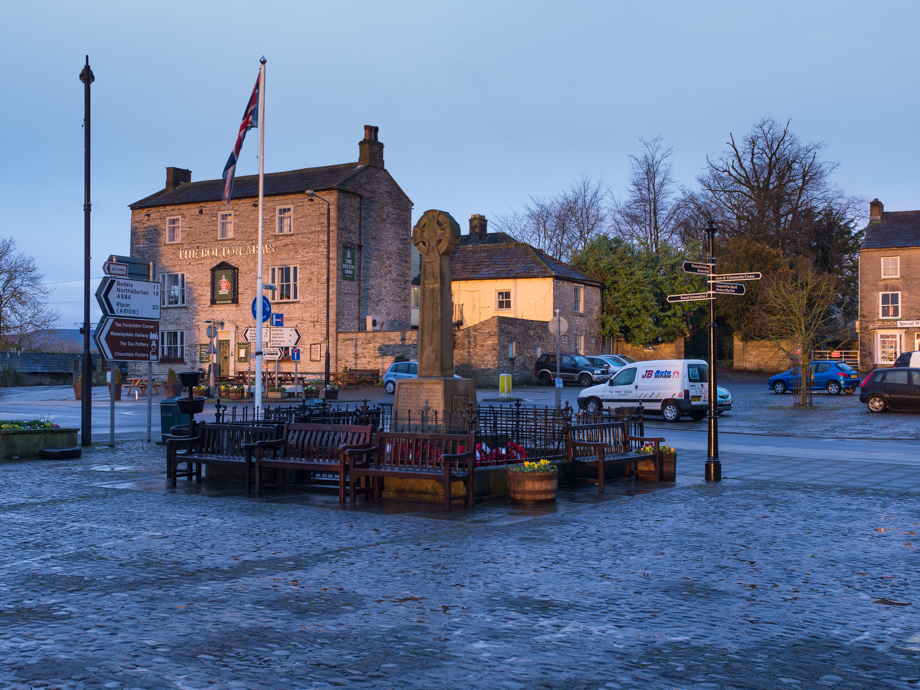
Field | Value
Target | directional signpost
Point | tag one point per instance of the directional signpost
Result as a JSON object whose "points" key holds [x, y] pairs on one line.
{"points": [[723, 284], [272, 354], [128, 340], [113, 268], [276, 337], [136, 298]]}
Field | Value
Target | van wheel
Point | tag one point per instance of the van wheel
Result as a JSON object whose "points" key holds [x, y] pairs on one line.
{"points": [[779, 387], [876, 403], [585, 380], [545, 379], [834, 388], [670, 411], [594, 405], [390, 387]]}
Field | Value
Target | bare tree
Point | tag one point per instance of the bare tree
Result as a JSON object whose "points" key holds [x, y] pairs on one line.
{"points": [[563, 225], [649, 214], [23, 298]]}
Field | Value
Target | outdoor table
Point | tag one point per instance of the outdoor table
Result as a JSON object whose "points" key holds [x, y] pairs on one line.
{"points": [[141, 385]]}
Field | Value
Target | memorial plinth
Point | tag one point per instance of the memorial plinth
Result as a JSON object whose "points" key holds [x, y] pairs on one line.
{"points": [[436, 401]]}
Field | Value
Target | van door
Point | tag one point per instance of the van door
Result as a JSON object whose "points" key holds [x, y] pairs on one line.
{"points": [[621, 389], [698, 382]]}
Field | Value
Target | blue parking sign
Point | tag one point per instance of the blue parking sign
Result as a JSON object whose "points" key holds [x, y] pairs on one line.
{"points": [[295, 354], [277, 320]]}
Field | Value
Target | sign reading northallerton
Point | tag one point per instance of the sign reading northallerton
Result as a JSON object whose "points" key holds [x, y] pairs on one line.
{"points": [[122, 297]]}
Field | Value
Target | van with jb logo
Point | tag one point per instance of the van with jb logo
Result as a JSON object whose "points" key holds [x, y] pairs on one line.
{"points": [[675, 387]]}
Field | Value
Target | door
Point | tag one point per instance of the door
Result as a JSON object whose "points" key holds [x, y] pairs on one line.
{"points": [[621, 389], [821, 372], [897, 387], [698, 382], [567, 369], [223, 357]]}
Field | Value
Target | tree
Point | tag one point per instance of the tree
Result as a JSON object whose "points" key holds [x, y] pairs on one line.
{"points": [[742, 255], [23, 298], [562, 225], [649, 215], [636, 285], [797, 308]]}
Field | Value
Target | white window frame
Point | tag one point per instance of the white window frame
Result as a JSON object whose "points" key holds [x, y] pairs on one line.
{"points": [[225, 225], [179, 345], [579, 345], [293, 294], [894, 266], [289, 217], [499, 299], [898, 338], [416, 298], [178, 227], [579, 300], [165, 290], [895, 310]]}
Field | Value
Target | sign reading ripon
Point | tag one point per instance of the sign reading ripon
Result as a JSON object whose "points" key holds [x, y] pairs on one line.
{"points": [[218, 252]]}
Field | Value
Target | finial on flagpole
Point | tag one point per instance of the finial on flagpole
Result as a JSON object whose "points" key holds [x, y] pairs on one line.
{"points": [[262, 60]]}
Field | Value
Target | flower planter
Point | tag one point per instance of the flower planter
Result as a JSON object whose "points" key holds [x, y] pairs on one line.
{"points": [[276, 395], [668, 467], [234, 395], [533, 487], [78, 391], [25, 443], [332, 394], [645, 469], [172, 390]]}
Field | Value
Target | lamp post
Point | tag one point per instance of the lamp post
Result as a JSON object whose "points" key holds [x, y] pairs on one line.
{"points": [[86, 421], [713, 464], [311, 196]]}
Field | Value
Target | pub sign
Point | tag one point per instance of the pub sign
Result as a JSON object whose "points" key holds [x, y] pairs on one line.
{"points": [[348, 262], [224, 284]]}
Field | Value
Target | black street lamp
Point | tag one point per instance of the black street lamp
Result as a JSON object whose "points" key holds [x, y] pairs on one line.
{"points": [[86, 421], [713, 464], [311, 196]]}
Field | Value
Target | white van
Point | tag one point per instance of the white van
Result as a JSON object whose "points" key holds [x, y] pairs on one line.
{"points": [[674, 386]]}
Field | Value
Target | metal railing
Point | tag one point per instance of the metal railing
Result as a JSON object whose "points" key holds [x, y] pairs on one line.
{"points": [[851, 357]]}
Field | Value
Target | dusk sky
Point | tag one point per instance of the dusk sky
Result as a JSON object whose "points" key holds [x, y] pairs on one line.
{"points": [[479, 104]]}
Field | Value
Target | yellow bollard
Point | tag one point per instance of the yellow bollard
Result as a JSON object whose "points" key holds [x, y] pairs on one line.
{"points": [[504, 385]]}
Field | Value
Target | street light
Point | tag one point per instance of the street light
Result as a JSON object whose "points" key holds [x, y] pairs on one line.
{"points": [[311, 195]]}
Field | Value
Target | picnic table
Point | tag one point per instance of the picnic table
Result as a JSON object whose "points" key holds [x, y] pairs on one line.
{"points": [[141, 385]]}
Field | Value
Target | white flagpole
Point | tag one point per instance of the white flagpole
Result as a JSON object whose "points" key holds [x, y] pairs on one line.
{"points": [[259, 282]]}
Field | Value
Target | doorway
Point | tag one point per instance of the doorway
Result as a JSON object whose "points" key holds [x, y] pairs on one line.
{"points": [[223, 357]]}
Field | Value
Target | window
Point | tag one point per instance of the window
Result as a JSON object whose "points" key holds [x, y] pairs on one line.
{"points": [[284, 278], [565, 340], [173, 292], [915, 378], [578, 345], [173, 230], [624, 378], [698, 373], [579, 293], [503, 300], [891, 267], [225, 225], [173, 343], [416, 297], [890, 303], [316, 351], [897, 376], [889, 347], [285, 216], [823, 367]]}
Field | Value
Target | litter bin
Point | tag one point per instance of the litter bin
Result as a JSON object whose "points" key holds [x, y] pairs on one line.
{"points": [[170, 415]]}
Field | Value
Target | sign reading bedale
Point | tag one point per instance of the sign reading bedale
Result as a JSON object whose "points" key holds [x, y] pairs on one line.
{"points": [[123, 297], [128, 340]]}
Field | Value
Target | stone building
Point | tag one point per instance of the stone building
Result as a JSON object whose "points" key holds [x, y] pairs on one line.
{"points": [[206, 257], [889, 286]]}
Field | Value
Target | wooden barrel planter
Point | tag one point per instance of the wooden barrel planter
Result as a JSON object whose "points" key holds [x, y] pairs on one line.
{"points": [[668, 467], [533, 487]]}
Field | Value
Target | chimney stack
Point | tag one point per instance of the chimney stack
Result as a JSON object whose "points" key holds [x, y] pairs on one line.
{"points": [[478, 224], [177, 176], [370, 150], [876, 208]]}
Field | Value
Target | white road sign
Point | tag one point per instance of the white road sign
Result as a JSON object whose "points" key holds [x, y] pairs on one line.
{"points": [[558, 324], [139, 299], [114, 268], [731, 277], [284, 337], [271, 354]]}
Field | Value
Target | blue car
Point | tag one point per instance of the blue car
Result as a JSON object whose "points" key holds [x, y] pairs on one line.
{"points": [[832, 376]]}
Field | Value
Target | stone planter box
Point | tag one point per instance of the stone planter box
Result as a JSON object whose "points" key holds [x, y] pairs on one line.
{"points": [[532, 487], [25, 443], [276, 395]]}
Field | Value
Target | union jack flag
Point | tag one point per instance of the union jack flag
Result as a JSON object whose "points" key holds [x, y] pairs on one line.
{"points": [[250, 120]]}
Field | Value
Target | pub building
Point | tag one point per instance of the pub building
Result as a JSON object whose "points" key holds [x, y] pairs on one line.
{"points": [[206, 258]]}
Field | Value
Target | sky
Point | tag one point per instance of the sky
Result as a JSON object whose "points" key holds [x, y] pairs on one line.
{"points": [[480, 104]]}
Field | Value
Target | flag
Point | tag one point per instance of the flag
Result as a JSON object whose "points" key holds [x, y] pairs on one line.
{"points": [[250, 120]]}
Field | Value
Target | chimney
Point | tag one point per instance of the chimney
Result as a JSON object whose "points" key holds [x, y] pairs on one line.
{"points": [[370, 151], [875, 209], [478, 224], [177, 176]]}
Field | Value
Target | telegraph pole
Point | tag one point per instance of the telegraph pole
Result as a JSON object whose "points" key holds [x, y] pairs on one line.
{"points": [[86, 423]]}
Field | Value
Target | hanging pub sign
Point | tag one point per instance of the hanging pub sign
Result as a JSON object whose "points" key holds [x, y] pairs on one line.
{"points": [[224, 284], [203, 355], [348, 262]]}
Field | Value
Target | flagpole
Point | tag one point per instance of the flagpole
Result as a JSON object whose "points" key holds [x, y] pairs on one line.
{"points": [[259, 282]]}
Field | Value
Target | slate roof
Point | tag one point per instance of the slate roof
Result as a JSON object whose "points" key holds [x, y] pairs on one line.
{"points": [[506, 258], [247, 186], [40, 362], [893, 229]]}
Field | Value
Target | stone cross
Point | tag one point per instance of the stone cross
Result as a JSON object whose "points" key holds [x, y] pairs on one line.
{"points": [[436, 235]]}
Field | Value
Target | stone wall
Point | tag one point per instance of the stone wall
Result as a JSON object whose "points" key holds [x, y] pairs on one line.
{"points": [[376, 349], [481, 351], [585, 323], [672, 350], [762, 355]]}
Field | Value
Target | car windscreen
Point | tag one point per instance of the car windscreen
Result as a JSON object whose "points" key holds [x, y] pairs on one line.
{"points": [[627, 359], [698, 373], [843, 366], [626, 377], [581, 361]]}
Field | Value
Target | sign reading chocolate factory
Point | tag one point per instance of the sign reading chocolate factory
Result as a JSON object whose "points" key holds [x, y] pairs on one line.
{"points": [[128, 340]]}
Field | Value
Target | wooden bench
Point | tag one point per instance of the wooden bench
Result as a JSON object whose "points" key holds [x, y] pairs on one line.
{"points": [[444, 458], [311, 447], [608, 443], [216, 444], [358, 377]]}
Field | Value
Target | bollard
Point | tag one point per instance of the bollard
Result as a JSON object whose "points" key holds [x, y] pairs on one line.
{"points": [[504, 385]]}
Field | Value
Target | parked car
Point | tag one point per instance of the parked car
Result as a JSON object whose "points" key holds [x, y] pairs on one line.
{"points": [[572, 369], [833, 376], [724, 400], [895, 388], [601, 363], [401, 370], [674, 386], [615, 362], [908, 359]]}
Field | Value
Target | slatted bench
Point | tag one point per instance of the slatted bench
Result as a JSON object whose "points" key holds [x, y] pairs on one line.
{"points": [[608, 443], [216, 444], [359, 377], [444, 458], [311, 447]]}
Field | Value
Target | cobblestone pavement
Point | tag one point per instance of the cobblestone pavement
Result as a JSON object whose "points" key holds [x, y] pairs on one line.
{"points": [[108, 579]]}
